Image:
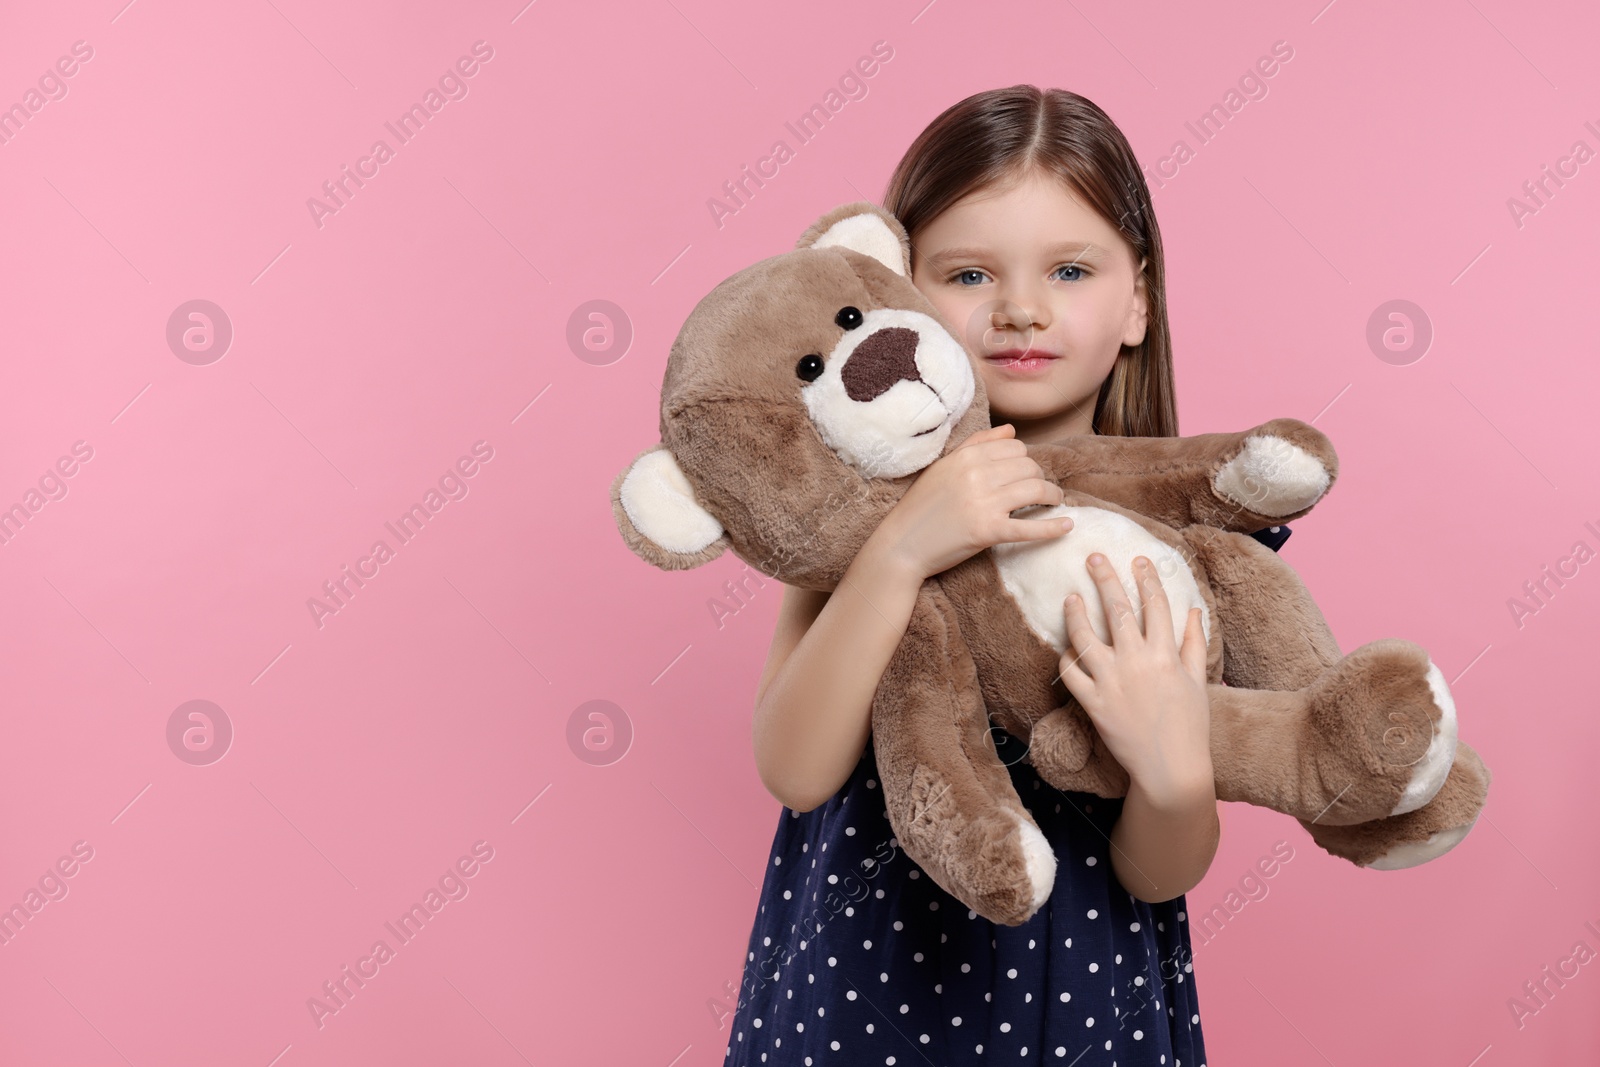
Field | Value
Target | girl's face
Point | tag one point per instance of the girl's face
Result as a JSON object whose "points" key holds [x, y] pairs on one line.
{"points": [[1042, 291]]}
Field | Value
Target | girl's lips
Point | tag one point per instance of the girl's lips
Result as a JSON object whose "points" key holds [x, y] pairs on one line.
{"points": [[1021, 361]]}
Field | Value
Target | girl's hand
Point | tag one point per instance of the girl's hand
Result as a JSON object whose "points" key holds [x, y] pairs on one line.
{"points": [[961, 504], [1147, 697]]}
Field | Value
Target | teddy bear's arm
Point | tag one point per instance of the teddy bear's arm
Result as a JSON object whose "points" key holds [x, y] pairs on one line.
{"points": [[1244, 481]]}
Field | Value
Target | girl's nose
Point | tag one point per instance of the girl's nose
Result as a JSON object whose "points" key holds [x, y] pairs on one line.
{"points": [[1024, 307]]}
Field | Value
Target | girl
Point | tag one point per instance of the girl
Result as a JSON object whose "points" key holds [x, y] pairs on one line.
{"points": [[1032, 233]]}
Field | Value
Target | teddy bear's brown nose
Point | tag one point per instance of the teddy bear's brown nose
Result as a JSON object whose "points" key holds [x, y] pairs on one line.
{"points": [[888, 356]]}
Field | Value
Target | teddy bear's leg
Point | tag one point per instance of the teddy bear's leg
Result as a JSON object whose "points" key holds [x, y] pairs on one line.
{"points": [[1401, 841], [950, 799], [1367, 735]]}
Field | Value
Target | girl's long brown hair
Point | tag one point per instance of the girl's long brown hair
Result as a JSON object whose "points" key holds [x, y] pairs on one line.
{"points": [[993, 136]]}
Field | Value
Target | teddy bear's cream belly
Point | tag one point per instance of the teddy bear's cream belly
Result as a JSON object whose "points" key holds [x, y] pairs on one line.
{"points": [[1040, 574]]}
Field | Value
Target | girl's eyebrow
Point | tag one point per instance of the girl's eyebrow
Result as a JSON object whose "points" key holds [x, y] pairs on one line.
{"points": [[1078, 249]]}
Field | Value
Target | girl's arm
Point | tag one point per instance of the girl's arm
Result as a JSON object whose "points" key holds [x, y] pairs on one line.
{"points": [[829, 651]]}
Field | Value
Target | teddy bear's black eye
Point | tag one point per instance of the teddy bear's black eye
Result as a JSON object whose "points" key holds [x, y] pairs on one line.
{"points": [[848, 318], [809, 369]]}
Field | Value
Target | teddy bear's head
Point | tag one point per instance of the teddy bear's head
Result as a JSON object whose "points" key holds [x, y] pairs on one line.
{"points": [[800, 397]]}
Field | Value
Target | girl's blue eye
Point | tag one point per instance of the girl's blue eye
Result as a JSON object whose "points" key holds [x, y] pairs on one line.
{"points": [[1072, 267], [970, 276]]}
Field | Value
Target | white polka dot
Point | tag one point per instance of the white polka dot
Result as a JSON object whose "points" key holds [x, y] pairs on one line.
{"points": [[1138, 1035], [1091, 861], [956, 1021], [904, 1008], [917, 956], [1119, 957], [1134, 927], [1108, 1046], [965, 967], [1089, 1021], [866, 944], [786, 894], [1093, 967], [1060, 1050], [834, 1046], [1005, 1028], [832, 961], [756, 1023], [850, 995], [884, 977], [1065, 997], [777, 860], [1094, 913], [1011, 973], [1194, 1018]]}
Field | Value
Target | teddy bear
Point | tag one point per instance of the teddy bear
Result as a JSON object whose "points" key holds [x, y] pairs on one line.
{"points": [[800, 399]]}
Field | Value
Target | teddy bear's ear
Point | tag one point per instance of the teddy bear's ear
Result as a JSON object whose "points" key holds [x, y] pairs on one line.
{"points": [[862, 227], [659, 517]]}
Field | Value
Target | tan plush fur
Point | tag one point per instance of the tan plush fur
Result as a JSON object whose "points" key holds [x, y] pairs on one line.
{"points": [[792, 462]]}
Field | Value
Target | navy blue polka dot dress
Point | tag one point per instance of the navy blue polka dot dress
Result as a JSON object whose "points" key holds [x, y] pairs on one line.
{"points": [[857, 958]]}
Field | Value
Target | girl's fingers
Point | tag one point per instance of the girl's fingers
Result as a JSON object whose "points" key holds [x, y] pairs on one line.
{"points": [[1083, 642], [1077, 681], [1153, 595], [1029, 491], [1005, 429], [1193, 652], [1119, 613]]}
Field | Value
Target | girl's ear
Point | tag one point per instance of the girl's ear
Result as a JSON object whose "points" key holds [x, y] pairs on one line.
{"points": [[659, 517], [1138, 320], [866, 228]]}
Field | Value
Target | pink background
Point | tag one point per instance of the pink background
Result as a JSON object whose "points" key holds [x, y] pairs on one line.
{"points": [[429, 313]]}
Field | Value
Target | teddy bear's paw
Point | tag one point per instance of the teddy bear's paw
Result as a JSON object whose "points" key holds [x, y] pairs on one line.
{"points": [[1273, 477]]}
